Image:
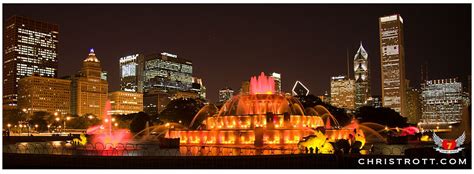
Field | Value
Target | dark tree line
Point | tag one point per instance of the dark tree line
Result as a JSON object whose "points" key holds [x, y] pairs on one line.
{"points": [[383, 116]]}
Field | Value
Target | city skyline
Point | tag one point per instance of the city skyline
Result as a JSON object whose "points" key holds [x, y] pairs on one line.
{"points": [[259, 41]]}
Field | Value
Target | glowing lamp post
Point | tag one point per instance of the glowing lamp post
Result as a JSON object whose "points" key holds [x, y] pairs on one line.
{"points": [[67, 119], [9, 125]]}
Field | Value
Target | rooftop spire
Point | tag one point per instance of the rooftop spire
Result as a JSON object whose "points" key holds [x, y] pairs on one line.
{"points": [[91, 57], [361, 51]]}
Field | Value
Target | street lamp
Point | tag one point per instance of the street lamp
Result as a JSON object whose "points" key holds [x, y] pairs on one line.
{"points": [[9, 125], [21, 126], [67, 119]]}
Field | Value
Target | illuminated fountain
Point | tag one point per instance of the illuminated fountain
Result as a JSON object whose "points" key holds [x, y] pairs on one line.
{"points": [[262, 118], [106, 134]]}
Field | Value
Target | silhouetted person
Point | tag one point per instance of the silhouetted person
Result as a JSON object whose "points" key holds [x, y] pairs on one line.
{"points": [[311, 150], [306, 150], [355, 149]]}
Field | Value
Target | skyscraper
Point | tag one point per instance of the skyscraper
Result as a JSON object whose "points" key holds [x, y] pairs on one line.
{"points": [[442, 102], [361, 76], [45, 94], [277, 79], [167, 72], [199, 88], [131, 73], [342, 92], [414, 103], [89, 90], [123, 102], [30, 46], [225, 94], [392, 58]]}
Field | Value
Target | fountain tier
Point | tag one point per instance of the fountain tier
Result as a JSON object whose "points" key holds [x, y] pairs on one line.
{"points": [[259, 118]]}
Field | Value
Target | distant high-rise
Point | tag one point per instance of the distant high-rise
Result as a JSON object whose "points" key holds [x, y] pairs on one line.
{"points": [[414, 103], [361, 76], [30, 47], [89, 90], [123, 102], [199, 88], [245, 87], [442, 102], [167, 72], [342, 92], [277, 79], [392, 57], [131, 73], [45, 94], [374, 101], [299, 89], [225, 94]]}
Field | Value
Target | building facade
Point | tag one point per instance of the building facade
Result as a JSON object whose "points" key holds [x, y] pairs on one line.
{"points": [[343, 92], [245, 87], [225, 94], [30, 47], [361, 76], [167, 72], [89, 90], [131, 73], [392, 57], [374, 101], [414, 103], [277, 80], [199, 88], [156, 101], [45, 94], [442, 102], [123, 102]]}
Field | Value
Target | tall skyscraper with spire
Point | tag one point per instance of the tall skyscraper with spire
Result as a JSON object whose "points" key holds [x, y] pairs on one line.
{"points": [[361, 76], [392, 59]]}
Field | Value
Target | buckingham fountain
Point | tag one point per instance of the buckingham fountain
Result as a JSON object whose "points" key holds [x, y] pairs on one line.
{"points": [[264, 118]]}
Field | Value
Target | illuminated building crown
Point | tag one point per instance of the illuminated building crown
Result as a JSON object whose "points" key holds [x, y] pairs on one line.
{"points": [[91, 57]]}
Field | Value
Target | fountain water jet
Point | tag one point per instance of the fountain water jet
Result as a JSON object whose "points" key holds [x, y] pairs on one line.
{"points": [[105, 133], [261, 118]]}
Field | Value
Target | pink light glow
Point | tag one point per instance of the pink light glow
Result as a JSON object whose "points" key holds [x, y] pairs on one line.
{"points": [[411, 130], [104, 134], [262, 84]]}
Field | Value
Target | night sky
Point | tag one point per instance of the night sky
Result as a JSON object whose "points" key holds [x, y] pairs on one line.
{"points": [[230, 43]]}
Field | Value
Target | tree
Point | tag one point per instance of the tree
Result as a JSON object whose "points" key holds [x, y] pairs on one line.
{"points": [[82, 122], [139, 122], [382, 115], [13, 116], [40, 119], [182, 110], [339, 113]]}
